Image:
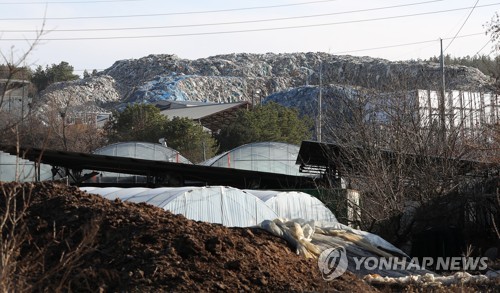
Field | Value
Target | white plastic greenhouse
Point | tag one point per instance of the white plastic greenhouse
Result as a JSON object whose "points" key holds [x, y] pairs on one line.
{"points": [[142, 150], [295, 205], [13, 168], [228, 206], [137, 150], [274, 157]]}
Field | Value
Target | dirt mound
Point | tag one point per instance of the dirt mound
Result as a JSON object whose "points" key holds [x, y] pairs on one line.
{"points": [[82, 242]]}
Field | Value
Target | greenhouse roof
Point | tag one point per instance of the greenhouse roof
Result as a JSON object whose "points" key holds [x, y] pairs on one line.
{"points": [[142, 150], [228, 206], [190, 174], [275, 157], [295, 205]]}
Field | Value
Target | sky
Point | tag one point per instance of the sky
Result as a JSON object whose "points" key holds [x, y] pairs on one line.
{"points": [[93, 34]]}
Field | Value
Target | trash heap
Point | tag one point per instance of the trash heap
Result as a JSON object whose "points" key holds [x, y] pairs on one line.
{"points": [[311, 238]]}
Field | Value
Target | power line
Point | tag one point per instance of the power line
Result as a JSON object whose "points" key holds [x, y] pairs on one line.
{"points": [[230, 23], [462, 25], [482, 48], [65, 2], [170, 13], [386, 47], [405, 44], [243, 31]]}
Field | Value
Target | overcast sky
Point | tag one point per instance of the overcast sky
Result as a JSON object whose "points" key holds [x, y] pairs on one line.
{"points": [[94, 34]]}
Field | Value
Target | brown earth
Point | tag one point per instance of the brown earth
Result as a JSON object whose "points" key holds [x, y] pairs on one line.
{"points": [[67, 240], [82, 242]]}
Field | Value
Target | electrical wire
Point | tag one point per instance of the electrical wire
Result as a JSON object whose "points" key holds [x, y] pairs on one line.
{"points": [[391, 46], [482, 48], [229, 23], [66, 2], [243, 30], [406, 44], [385, 47], [477, 1], [170, 13]]}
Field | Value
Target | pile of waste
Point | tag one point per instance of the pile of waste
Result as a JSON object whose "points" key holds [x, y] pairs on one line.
{"points": [[394, 268]]}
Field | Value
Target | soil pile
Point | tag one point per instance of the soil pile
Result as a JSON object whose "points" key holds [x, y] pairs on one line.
{"points": [[73, 241]]}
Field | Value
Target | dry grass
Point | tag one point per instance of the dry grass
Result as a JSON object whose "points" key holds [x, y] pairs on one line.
{"points": [[26, 263]]}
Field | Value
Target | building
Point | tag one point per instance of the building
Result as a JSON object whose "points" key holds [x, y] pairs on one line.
{"points": [[209, 115], [468, 111], [16, 100]]}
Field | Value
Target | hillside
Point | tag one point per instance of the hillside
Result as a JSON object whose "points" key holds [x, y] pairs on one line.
{"points": [[250, 77]]}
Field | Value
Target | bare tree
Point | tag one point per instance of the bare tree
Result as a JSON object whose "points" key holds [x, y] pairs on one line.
{"points": [[14, 64], [396, 154], [17, 263]]}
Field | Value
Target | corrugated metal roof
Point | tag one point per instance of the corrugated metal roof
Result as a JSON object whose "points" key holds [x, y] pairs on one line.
{"points": [[170, 104], [210, 116], [199, 112]]}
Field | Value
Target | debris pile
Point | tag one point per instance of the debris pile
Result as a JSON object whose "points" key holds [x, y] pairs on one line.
{"points": [[253, 77]]}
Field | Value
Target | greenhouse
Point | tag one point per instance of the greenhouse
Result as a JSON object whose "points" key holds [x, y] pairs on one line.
{"points": [[138, 150], [295, 205], [273, 157], [13, 168], [143, 150], [228, 206]]}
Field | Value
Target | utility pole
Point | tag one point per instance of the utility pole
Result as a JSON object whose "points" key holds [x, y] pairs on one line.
{"points": [[320, 98], [23, 96], [253, 102], [442, 116], [63, 118]]}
